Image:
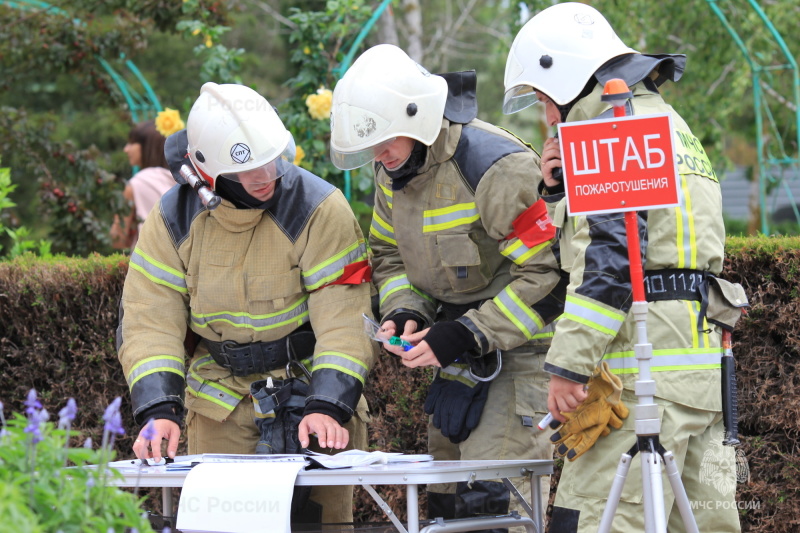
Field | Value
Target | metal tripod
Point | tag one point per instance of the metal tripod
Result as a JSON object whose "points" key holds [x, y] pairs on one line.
{"points": [[648, 427]]}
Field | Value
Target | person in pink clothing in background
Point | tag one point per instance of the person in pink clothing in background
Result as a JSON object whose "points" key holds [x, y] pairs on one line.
{"points": [[145, 150]]}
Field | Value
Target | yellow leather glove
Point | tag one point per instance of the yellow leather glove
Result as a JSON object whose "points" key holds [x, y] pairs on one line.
{"points": [[591, 420]]}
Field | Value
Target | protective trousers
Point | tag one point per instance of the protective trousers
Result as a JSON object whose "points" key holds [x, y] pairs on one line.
{"points": [[517, 395], [708, 471], [239, 434]]}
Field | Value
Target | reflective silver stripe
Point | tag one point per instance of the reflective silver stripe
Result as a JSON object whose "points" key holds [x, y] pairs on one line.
{"points": [[393, 285], [341, 362], [519, 313], [333, 267], [297, 314], [158, 363], [398, 283], [157, 272], [449, 217], [213, 392], [389, 195], [457, 372], [666, 360], [592, 315], [380, 229], [685, 232], [546, 332], [519, 253]]}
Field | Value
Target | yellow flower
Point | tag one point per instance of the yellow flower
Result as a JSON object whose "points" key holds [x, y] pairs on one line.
{"points": [[299, 155], [319, 104], [168, 122], [196, 31], [209, 42], [306, 50]]}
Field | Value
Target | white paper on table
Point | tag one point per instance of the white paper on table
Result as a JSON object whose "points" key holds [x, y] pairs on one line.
{"points": [[238, 497], [352, 458]]}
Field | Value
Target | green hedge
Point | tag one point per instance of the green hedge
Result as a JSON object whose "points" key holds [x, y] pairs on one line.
{"points": [[58, 317]]}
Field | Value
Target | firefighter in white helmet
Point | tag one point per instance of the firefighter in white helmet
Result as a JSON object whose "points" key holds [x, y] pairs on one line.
{"points": [[562, 57], [272, 282], [462, 260]]}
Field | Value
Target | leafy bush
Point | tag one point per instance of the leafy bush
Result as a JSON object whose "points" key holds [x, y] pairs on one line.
{"points": [[39, 493]]}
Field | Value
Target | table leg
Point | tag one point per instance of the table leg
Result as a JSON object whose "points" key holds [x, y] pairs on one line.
{"points": [[166, 501], [412, 500], [536, 496]]}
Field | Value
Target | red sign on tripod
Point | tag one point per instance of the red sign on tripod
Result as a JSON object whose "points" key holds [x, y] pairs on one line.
{"points": [[619, 164]]}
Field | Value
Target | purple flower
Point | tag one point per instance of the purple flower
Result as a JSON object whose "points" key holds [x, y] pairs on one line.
{"points": [[67, 414], [149, 432], [88, 443], [32, 403], [35, 421], [113, 419]]}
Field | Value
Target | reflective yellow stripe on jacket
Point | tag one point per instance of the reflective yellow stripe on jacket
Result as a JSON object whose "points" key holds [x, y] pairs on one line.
{"points": [[449, 217], [297, 314], [210, 390], [398, 283], [593, 315], [380, 229], [343, 363], [333, 268], [158, 272], [666, 360], [151, 365], [519, 253], [520, 314]]}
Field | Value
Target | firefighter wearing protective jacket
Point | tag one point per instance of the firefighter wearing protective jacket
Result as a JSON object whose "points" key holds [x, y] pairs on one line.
{"points": [[563, 56], [462, 260], [276, 275]]}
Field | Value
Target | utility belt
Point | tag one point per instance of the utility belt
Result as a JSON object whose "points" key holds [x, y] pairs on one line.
{"points": [[674, 284], [263, 357]]}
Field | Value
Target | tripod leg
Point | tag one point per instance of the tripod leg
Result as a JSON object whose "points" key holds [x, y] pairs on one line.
{"points": [[653, 489], [614, 494], [681, 499]]}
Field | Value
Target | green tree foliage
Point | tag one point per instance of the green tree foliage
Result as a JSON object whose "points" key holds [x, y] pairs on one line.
{"points": [[318, 43], [63, 121]]}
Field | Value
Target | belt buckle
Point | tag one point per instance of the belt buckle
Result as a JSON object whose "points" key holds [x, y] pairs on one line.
{"points": [[223, 353]]}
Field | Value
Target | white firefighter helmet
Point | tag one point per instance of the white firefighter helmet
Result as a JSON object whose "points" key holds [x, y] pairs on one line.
{"points": [[233, 130], [557, 52], [384, 95]]}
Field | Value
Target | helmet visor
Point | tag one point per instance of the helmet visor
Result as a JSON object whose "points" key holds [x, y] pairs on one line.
{"points": [[518, 98], [267, 172], [351, 160]]}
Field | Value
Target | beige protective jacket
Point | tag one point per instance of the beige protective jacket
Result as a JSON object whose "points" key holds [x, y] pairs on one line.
{"points": [[679, 244], [446, 237], [245, 275]]}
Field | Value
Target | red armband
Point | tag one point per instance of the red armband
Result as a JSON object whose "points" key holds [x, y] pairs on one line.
{"points": [[354, 274], [533, 226]]}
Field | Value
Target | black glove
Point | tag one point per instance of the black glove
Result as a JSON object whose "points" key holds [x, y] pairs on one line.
{"points": [[449, 340], [168, 410], [401, 317], [456, 407]]}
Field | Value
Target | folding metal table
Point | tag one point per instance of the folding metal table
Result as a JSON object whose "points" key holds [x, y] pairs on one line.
{"points": [[409, 474]]}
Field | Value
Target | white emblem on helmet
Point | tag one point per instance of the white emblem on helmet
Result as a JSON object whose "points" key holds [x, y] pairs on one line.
{"points": [[365, 127], [240, 153]]}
